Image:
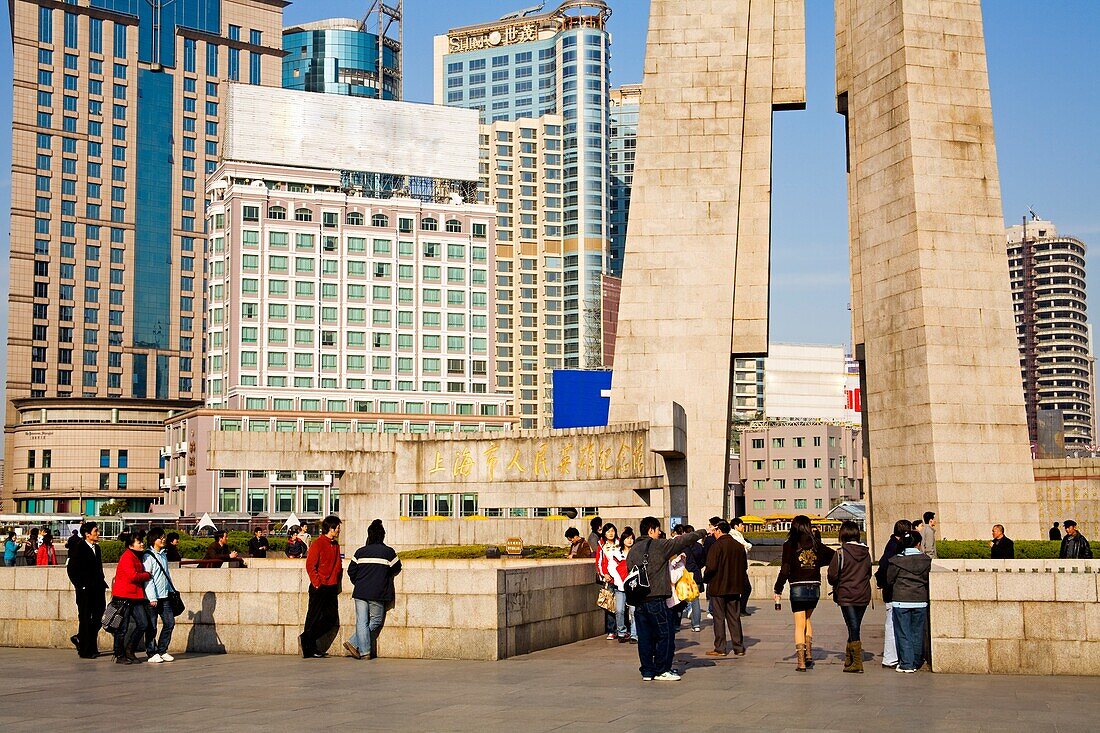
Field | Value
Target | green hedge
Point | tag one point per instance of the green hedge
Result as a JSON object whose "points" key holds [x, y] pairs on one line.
{"points": [[473, 552], [195, 548], [979, 549]]}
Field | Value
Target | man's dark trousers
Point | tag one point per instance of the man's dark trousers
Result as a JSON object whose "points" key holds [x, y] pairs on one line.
{"points": [[656, 637], [727, 612], [90, 605], [322, 616]]}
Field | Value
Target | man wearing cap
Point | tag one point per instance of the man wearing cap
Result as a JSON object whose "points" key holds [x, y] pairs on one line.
{"points": [[1074, 544]]}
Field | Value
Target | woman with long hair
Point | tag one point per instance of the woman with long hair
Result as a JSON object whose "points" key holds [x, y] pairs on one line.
{"points": [[607, 560], [803, 557], [626, 541], [128, 590], [46, 554], [850, 576], [30, 548], [611, 566]]}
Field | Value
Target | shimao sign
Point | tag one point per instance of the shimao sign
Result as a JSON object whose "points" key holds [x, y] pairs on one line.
{"points": [[493, 37]]}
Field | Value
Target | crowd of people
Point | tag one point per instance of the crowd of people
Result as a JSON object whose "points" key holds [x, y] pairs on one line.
{"points": [[144, 598], [646, 575]]}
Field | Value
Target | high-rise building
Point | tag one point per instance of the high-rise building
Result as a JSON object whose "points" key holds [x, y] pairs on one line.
{"points": [[530, 269], [117, 107], [347, 56], [1048, 298], [624, 140], [525, 66], [332, 285]]}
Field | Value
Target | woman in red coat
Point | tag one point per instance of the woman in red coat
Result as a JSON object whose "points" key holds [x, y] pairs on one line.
{"points": [[46, 555], [128, 590]]}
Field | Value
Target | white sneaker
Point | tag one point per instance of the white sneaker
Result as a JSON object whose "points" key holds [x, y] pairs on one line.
{"points": [[166, 657], [667, 677], [155, 659]]}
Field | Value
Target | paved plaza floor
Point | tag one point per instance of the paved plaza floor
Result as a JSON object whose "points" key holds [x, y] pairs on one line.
{"points": [[592, 685]]}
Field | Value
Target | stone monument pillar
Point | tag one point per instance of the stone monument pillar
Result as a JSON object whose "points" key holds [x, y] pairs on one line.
{"points": [[695, 281], [933, 325]]}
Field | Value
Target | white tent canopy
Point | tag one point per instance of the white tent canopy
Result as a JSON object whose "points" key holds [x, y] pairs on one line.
{"points": [[206, 521], [292, 521]]}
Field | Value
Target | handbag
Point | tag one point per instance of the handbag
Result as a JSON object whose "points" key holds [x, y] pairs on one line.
{"points": [[805, 592], [606, 599], [115, 616], [686, 588], [175, 602], [636, 584]]}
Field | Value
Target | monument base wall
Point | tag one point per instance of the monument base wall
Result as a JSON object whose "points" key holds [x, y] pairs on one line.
{"points": [[445, 609], [1016, 617]]}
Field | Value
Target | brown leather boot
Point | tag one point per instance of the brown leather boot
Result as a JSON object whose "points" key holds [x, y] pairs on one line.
{"points": [[857, 657], [849, 657], [809, 652], [800, 655]]}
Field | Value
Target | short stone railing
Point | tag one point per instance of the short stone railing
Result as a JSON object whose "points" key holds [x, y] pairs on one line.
{"points": [[1016, 616], [445, 609]]}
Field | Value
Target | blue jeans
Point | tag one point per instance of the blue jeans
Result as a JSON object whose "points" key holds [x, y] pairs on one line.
{"points": [[696, 613], [909, 633], [132, 632], [369, 617], [656, 637], [163, 611], [622, 615]]}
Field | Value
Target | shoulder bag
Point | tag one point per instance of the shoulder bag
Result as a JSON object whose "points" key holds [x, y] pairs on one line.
{"points": [[636, 584]]}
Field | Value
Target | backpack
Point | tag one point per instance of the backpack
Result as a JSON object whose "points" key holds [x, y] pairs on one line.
{"points": [[636, 584]]}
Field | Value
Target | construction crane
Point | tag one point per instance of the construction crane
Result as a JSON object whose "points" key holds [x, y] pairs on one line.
{"points": [[387, 23]]}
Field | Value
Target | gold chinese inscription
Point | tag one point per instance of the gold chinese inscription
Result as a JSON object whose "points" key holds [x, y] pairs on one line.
{"points": [[580, 457]]}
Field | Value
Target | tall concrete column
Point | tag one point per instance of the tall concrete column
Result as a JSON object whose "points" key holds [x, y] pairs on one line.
{"points": [[932, 312], [695, 280]]}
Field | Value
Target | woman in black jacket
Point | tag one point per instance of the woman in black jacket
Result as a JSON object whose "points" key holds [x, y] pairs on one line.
{"points": [[850, 575], [803, 557]]}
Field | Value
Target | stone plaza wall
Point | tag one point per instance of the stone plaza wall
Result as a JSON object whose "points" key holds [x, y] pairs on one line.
{"points": [[611, 468], [445, 609], [1069, 488], [1016, 616]]}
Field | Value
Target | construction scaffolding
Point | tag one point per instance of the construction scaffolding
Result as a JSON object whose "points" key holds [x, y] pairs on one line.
{"points": [[386, 21]]}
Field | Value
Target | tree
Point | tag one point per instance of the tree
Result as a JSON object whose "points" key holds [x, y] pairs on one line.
{"points": [[113, 507]]}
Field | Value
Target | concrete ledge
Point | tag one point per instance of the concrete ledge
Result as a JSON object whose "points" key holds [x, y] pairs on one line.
{"points": [[1016, 616], [453, 609]]}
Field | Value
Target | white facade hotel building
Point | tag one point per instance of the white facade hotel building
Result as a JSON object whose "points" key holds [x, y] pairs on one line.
{"points": [[348, 285]]}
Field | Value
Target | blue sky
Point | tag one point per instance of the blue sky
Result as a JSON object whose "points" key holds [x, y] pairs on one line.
{"points": [[1043, 61]]}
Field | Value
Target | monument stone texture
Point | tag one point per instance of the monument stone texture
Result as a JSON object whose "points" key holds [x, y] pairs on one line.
{"points": [[932, 314], [932, 318], [695, 290]]}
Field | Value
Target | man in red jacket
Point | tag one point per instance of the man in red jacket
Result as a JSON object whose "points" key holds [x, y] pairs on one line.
{"points": [[324, 567]]}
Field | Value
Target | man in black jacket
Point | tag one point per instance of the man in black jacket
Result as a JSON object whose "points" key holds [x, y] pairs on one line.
{"points": [[85, 569], [1074, 544], [372, 571], [727, 573], [1001, 547]]}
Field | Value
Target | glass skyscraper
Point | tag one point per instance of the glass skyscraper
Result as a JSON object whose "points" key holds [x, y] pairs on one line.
{"points": [[528, 65], [115, 129], [339, 56], [624, 139]]}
